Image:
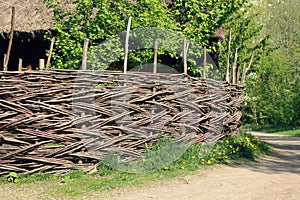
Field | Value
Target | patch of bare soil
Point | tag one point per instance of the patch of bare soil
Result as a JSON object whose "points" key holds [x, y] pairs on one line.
{"points": [[271, 178]]}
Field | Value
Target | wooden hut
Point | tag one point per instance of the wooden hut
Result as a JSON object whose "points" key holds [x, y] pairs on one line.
{"points": [[32, 21]]}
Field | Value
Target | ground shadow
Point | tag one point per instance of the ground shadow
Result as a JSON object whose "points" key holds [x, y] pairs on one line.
{"points": [[284, 159]]}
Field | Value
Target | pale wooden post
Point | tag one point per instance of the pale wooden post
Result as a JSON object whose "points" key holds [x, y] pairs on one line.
{"points": [[50, 53], [204, 62], [20, 64], [84, 53], [4, 65], [243, 74], [126, 45], [154, 70], [245, 70], [11, 35], [155, 57], [228, 58], [238, 74], [234, 66], [184, 56], [41, 64], [185, 71]]}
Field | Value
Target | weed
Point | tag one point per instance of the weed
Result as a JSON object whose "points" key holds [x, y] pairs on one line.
{"points": [[13, 177]]}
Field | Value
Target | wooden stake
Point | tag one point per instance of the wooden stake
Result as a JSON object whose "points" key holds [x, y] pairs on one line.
{"points": [[11, 35], [243, 74], [41, 64], [84, 53], [245, 70], [155, 57], [234, 66], [126, 45], [4, 65], [154, 70], [184, 56], [238, 74], [251, 60], [228, 58], [204, 62], [50, 53], [20, 65]]}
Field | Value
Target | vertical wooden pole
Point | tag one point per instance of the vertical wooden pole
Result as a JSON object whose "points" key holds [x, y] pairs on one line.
{"points": [[84, 53], [11, 36], [20, 65], [154, 71], [238, 73], [126, 45], [204, 62], [243, 74], [228, 58], [50, 53], [41, 64], [155, 57], [245, 70], [4, 60], [184, 57], [234, 66]]}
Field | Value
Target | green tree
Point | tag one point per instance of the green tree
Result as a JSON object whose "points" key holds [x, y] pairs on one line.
{"points": [[274, 92], [98, 20]]}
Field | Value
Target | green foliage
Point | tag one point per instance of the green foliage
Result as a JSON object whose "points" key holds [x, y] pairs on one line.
{"points": [[242, 147], [13, 177], [272, 89], [247, 36], [83, 19], [199, 19], [99, 20], [280, 87]]}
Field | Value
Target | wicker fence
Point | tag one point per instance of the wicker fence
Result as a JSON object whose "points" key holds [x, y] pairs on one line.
{"points": [[56, 120]]}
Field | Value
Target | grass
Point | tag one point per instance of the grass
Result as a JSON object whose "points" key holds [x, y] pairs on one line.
{"points": [[77, 183], [283, 130]]}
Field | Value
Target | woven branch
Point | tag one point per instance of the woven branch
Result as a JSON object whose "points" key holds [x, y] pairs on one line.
{"points": [[56, 120]]}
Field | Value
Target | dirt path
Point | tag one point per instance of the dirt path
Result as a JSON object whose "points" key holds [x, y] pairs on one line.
{"points": [[272, 178]]}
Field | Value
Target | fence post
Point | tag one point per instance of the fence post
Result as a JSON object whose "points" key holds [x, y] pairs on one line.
{"points": [[20, 64], [234, 66], [245, 70], [84, 52], [11, 36], [184, 56], [228, 58], [238, 73], [243, 74], [126, 45], [4, 60], [204, 62], [50, 53], [155, 57], [41, 64]]}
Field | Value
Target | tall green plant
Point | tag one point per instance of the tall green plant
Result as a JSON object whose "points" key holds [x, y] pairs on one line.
{"points": [[273, 93], [97, 21]]}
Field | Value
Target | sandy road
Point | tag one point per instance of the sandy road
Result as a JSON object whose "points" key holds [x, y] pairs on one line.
{"points": [[273, 177]]}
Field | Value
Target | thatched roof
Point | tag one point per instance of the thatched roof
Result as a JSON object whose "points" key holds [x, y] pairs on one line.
{"points": [[31, 16]]}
